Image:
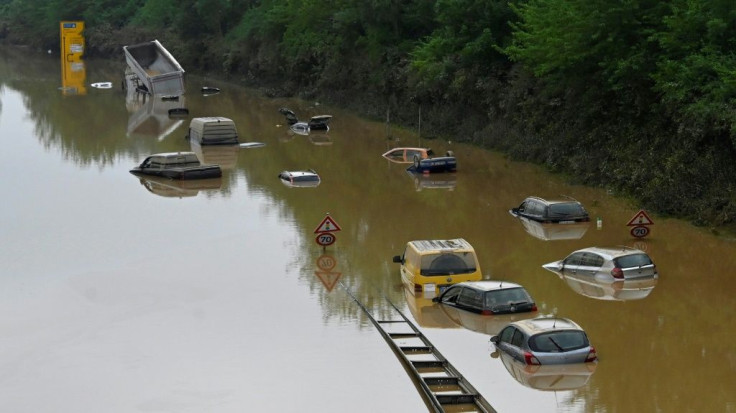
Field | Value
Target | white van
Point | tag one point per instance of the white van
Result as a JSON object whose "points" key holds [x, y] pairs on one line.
{"points": [[213, 131]]}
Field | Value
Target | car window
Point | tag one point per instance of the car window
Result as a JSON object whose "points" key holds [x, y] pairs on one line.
{"points": [[508, 296], [518, 338], [448, 263], [451, 294], [574, 259], [591, 260], [506, 334], [522, 207], [396, 154], [558, 341], [633, 260], [566, 209], [534, 208], [470, 298]]}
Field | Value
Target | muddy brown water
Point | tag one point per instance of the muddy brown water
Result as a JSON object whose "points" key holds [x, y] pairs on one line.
{"points": [[126, 294]]}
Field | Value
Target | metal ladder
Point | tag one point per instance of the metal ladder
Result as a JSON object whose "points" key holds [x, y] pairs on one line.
{"points": [[442, 386]]}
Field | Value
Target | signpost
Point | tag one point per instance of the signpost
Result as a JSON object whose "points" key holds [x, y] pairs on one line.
{"points": [[640, 224], [325, 231]]}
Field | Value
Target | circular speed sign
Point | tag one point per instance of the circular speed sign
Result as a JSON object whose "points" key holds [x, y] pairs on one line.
{"points": [[639, 231], [325, 239]]}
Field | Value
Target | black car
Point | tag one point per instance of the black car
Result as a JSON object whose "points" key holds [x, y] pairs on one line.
{"points": [[562, 211], [488, 297]]}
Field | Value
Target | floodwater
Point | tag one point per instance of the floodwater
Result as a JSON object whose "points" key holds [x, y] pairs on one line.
{"points": [[122, 294]]}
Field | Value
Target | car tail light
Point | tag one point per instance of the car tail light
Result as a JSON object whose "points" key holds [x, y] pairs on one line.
{"points": [[592, 355], [530, 359], [617, 273], [486, 312], [534, 307], [418, 287]]}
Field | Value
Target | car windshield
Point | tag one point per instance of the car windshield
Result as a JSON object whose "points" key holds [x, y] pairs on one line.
{"points": [[558, 341], [448, 263], [566, 209], [506, 297], [633, 260]]}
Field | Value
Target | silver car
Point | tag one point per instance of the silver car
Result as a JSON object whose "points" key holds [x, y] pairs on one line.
{"points": [[542, 341], [606, 264]]}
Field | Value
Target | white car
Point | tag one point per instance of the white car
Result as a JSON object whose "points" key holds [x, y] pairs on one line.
{"points": [[301, 179], [606, 264]]}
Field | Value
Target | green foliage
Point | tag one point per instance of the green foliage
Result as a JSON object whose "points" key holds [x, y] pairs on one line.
{"points": [[464, 45], [696, 73]]}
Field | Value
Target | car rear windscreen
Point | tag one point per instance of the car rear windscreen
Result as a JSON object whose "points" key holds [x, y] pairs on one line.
{"points": [[558, 341], [633, 260]]}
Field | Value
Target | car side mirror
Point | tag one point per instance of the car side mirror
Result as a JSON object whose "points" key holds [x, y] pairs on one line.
{"points": [[436, 299], [494, 339], [397, 258]]}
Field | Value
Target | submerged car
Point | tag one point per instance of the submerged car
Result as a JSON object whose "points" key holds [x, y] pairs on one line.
{"points": [[446, 163], [406, 155], [542, 341], [606, 264], [300, 179], [434, 265], [488, 297], [176, 165], [319, 122], [561, 211]]}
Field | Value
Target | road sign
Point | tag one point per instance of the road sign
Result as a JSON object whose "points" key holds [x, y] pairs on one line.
{"points": [[325, 239], [639, 231], [641, 218], [327, 225]]}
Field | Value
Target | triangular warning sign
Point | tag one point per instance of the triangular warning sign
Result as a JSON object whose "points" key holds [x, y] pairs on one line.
{"points": [[641, 218], [327, 225], [329, 279]]}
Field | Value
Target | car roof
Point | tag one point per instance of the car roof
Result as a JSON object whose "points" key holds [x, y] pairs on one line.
{"points": [[300, 173], [172, 154], [489, 285], [612, 252], [442, 245], [554, 200], [541, 325]]}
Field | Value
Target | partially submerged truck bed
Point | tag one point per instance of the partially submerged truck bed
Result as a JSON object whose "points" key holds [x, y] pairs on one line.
{"points": [[156, 68]]}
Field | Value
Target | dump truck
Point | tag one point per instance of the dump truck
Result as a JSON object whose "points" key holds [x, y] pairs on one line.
{"points": [[156, 70]]}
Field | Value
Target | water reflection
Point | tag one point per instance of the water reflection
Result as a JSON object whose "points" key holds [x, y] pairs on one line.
{"points": [[224, 155], [554, 231], [593, 287], [178, 188], [555, 377], [484, 324], [433, 181], [152, 116], [73, 77], [425, 312]]}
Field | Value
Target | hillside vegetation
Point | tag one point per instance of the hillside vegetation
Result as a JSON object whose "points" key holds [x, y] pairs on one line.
{"points": [[638, 96]]}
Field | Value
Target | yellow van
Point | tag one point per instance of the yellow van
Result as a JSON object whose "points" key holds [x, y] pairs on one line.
{"points": [[433, 265]]}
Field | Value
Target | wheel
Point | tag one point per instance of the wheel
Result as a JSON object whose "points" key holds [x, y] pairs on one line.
{"points": [[417, 162]]}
